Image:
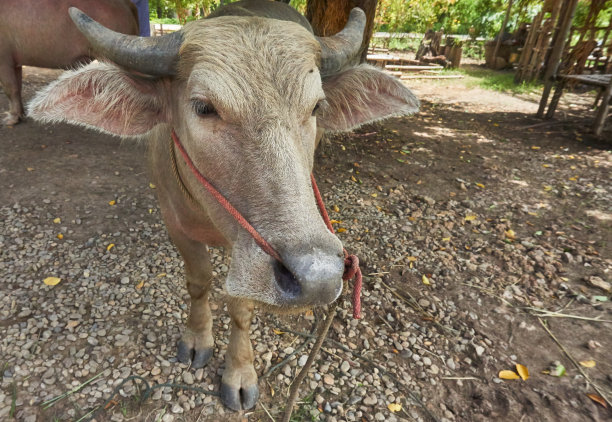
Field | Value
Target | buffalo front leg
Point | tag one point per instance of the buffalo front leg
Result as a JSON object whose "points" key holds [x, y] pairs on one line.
{"points": [[239, 383], [196, 344], [10, 79]]}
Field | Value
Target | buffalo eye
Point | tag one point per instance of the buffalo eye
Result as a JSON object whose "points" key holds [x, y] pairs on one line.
{"points": [[203, 109], [316, 108]]}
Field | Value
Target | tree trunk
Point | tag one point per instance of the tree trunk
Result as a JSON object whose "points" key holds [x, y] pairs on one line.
{"points": [[328, 17]]}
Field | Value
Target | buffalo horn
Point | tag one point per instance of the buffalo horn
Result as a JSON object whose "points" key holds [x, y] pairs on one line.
{"points": [[155, 56], [341, 49]]}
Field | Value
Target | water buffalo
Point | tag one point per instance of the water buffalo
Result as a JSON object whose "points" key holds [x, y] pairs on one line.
{"points": [[246, 92], [40, 33]]}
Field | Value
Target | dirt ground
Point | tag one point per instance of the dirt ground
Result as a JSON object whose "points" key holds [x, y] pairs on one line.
{"points": [[507, 218]]}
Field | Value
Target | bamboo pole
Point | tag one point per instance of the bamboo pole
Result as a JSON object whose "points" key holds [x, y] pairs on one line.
{"points": [[528, 49], [602, 113], [545, 45], [501, 33], [552, 64]]}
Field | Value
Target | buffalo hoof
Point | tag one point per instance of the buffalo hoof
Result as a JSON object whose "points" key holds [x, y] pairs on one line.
{"points": [[10, 119], [239, 398], [198, 358]]}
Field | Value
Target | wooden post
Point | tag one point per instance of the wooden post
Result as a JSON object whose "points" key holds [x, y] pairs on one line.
{"points": [[602, 113], [552, 64], [501, 32]]}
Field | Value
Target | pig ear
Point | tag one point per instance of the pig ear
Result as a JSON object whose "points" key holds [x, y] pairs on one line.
{"points": [[103, 97], [362, 95]]}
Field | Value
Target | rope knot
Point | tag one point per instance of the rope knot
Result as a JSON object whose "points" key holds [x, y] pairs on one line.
{"points": [[352, 271]]}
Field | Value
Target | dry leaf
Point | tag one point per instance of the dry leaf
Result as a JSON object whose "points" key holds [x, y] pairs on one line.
{"points": [[30, 169], [335, 208], [480, 185], [510, 234], [60, 236], [508, 375], [534, 147], [394, 407], [151, 185], [110, 246], [470, 217], [278, 332], [426, 280], [523, 371], [341, 230], [588, 363], [57, 220], [52, 281], [411, 259], [140, 285], [598, 399], [111, 203]]}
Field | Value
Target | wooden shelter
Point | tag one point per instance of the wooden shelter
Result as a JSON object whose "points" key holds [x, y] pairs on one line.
{"points": [[549, 51]]}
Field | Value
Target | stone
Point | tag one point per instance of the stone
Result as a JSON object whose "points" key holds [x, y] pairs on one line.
{"points": [[370, 400], [188, 378]]}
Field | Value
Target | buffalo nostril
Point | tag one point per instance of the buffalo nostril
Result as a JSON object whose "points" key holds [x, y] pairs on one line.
{"points": [[286, 280]]}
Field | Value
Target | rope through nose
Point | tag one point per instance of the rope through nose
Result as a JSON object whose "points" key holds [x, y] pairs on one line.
{"points": [[351, 262]]}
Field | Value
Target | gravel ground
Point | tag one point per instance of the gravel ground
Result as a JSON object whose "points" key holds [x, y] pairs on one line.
{"points": [[463, 227]]}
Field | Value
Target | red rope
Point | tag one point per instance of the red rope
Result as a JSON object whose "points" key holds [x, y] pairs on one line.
{"points": [[351, 262], [225, 203]]}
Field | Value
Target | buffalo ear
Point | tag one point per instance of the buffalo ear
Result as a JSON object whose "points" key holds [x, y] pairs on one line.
{"points": [[103, 97], [361, 95]]}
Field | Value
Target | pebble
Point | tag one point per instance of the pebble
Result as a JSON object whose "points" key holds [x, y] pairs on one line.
{"points": [[302, 360], [188, 378], [370, 400], [328, 379]]}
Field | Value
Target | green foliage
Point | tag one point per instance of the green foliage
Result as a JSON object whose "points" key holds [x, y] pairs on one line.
{"points": [[497, 81], [478, 18]]}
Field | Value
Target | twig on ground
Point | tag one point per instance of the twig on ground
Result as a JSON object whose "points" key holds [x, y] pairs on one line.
{"points": [[576, 364], [416, 346], [490, 293], [386, 323], [323, 328], [411, 301], [51, 402], [547, 123], [381, 369], [543, 313], [267, 412], [460, 378]]}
